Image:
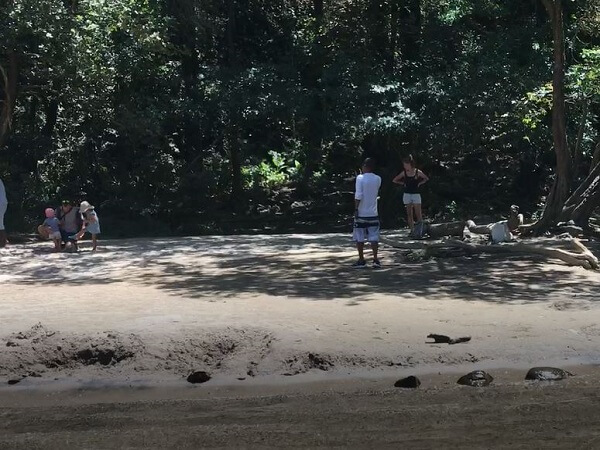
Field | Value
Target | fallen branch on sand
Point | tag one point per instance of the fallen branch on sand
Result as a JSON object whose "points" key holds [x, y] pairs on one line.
{"points": [[581, 256]]}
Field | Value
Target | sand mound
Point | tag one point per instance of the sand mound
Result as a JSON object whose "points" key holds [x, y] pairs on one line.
{"points": [[38, 350], [231, 350]]}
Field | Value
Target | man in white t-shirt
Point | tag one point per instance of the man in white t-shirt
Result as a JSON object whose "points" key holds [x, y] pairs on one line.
{"points": [[366, 216], [3, 206]]}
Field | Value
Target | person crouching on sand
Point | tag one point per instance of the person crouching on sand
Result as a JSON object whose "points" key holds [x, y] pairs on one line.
{"points": [[91, 224], [50, 229]]}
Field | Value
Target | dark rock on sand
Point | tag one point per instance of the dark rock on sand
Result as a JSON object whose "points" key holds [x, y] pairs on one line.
{"points": [[411, 382], [319, 362], [443, 339], [478, 378], [198, 377], [15, 381], [547, 374]]}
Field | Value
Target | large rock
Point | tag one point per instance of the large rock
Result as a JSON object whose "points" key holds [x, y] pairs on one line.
{"points": [[411, 382], [478, 378], [198, 377], [547, 374]]}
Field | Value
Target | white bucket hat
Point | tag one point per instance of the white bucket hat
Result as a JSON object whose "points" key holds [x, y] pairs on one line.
{"points": [[84, 207]]}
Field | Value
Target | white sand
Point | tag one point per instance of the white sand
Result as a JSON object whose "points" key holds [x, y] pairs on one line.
{"points": [[259, 305]]}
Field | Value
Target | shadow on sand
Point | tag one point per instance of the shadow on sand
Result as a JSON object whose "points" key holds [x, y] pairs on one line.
{"points": [[314, 267]]}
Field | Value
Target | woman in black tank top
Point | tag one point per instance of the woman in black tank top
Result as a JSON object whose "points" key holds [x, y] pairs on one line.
{"points": [[412, 179]]}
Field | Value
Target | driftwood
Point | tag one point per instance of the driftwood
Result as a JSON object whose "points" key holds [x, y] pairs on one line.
{"points": [[439, 230], [583, 257], [502, 231], [572, 230]]}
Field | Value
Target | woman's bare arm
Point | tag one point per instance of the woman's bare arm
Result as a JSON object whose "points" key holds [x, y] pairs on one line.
{"points": [[424, 178], [399, 179]]}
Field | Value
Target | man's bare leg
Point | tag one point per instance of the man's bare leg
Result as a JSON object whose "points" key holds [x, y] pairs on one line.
{"points": [[375, 248], [360, 246]]}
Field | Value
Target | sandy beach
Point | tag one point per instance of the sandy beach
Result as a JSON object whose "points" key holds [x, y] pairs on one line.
{"points": [[290, 334]]}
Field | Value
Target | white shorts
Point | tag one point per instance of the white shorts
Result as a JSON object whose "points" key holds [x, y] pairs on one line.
{"points": [[412, 199], [366, 229]]}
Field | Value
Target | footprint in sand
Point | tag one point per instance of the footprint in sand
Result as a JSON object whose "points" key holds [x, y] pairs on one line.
{"points": [[570, 305]]}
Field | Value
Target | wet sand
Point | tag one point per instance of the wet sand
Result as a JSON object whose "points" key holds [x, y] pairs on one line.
{"points": [[358, 413]]}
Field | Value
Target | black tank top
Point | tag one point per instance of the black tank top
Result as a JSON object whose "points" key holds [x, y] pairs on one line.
{"points": [[411, 184]]}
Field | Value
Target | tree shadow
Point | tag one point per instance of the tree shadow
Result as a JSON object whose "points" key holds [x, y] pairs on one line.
{"points": [[312, 267]]}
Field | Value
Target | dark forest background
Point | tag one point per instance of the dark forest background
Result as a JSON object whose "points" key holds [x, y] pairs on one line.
{"points": [[189, 116]]}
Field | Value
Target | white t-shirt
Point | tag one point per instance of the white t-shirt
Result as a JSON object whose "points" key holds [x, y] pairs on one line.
{"points": [[367, 188], [3, 200]]}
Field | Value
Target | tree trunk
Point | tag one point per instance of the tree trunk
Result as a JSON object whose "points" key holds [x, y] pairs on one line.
{"points": [[561, 185], [591, 200], [580, 206], [316, 114], [596, 158], [51, 117], [379, 37], [10, 77], [583, 257], [233, 147], [410, 19], [580, 256], [394, 20], [577, 147], [231, 135], [439, 230]]}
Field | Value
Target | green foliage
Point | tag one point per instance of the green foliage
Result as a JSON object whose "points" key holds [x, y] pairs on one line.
{"points": [[584, 78], [158, 109], [274, 172]]}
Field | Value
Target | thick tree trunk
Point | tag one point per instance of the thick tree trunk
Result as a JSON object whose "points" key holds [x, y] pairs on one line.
{"points": [[410, 19], [316, 114], [236, 168], [184, 35], [231, 135], [379, 35], [580, 206], [596, 158], [580, 257], [439, 230], [591, 200], [51, 117], [577, 154], [561, 185], [10, 75], [394, 22]]}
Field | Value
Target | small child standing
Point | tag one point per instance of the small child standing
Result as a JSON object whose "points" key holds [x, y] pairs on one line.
{"points": [[52, 228], [91, 224]]}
